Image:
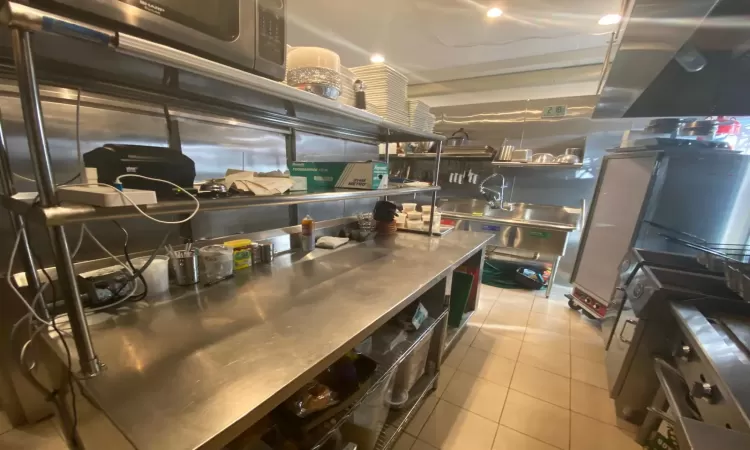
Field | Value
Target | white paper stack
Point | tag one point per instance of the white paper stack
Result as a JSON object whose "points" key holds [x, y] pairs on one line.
{"points": [[347, 87], [419, 116], [386, 90]]}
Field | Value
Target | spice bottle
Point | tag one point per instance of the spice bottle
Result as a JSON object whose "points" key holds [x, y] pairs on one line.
{"points": [[308, 233]]}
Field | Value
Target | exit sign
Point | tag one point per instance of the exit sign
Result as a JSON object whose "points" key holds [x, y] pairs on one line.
{"points": [[555, 111]]}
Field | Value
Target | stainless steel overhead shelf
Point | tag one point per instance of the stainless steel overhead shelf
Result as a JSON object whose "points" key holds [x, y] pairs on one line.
{"points": [[444, 156], [74, 213], [530, 165], [127, 66]]}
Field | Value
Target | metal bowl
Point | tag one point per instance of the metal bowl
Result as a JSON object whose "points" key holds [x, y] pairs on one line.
{"points": [[567, 159], [543, 158]]}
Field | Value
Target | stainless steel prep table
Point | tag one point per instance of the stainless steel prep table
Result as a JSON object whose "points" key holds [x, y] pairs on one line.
{"points": [[197, 370]]}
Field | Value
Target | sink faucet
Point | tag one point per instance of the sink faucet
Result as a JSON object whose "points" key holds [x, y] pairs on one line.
{"points": [[494, 198]]}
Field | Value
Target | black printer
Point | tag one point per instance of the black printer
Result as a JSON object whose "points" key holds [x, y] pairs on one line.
{"points": [[164, 163]]}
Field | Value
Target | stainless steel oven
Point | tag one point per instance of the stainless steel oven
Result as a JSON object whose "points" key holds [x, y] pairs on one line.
{"points": [[246, 34]]}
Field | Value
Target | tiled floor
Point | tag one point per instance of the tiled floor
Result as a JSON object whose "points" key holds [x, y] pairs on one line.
{"points": [[41, 436], [528, 374]]}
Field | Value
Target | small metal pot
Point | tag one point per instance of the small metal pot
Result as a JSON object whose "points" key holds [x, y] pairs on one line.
{"points": [[456, 141]]}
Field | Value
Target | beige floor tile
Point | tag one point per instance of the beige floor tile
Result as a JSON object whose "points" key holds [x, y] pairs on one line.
{"points": [[593, 351], [589, 434], [493, 340], [541, 384], [586, 330], [508, 439], [549, 323], [558, 293], [593, 402], [476, 395], [520, 293], [552, 341], [404, 442], [5, 424], [502, 314], [489, 292], [468, 335], [455, 356], [446, 373], [520, 300], [452, 428], [553, 308], [422, 445], [537, 419], [544, 358], [516, 332], [41, 436], [589, 372], [486, 365], [478, 317], [420, 418]]}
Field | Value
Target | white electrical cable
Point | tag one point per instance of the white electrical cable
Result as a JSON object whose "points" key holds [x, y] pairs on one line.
{"points": [[21, 232], [101, 246], [142, 212]]}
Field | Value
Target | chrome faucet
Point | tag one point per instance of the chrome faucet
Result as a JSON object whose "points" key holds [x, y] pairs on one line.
{"points": [[494, 198]]}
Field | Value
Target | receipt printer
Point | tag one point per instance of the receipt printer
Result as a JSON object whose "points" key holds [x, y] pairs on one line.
{"points": [[113, 160]]}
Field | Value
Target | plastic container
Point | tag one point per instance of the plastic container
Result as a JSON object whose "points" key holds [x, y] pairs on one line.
{"points": [[427, 209], [436, 225], [156, 275], [400, 220], [409, 207], [368, 419], [241, 253], [216, 262], [412, 368]]}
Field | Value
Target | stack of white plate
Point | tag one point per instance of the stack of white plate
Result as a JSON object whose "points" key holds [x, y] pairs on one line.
{"points": [[347, 87], [385, 88], [419, 115]]}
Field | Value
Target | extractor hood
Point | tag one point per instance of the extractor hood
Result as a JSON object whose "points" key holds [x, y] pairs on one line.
{"points": [[680, 58]]}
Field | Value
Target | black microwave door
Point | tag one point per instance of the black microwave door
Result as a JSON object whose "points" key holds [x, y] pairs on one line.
{"points": [[216, 18]]}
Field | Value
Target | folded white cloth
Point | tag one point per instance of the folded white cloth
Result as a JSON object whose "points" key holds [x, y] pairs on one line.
{"points": [[331, 242]]}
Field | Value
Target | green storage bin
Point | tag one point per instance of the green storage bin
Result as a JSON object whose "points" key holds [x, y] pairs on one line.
{"points": [[460, 291]]}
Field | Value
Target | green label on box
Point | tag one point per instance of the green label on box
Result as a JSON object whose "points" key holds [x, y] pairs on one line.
{"points": [[540, 234]]}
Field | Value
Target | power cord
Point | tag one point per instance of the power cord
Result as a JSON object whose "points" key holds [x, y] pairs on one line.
{"points": [[118, 186]]}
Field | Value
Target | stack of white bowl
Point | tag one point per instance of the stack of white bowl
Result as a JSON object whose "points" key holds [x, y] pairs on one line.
{"points": [[419, 115], [315, 70], [385, 88]]}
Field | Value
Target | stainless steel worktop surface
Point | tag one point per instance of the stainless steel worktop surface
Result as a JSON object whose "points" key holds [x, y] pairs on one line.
{"points": [[181, 372], [546, 217]]}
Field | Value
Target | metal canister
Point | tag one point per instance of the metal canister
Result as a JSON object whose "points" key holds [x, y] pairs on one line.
{"points": [[185, 268], [255, 253], [266, 253]]}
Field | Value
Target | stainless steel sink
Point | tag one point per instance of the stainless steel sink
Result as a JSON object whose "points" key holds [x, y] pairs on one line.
{"points": [[559, 218]]}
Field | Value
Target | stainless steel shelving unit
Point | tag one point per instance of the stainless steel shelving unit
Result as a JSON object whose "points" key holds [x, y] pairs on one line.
{"points": [[278, 105], [76, 213]]}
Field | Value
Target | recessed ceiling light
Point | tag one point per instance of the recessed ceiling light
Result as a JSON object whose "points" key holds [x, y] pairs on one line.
{"points": [[494, 12], [610, 19], [377, 58]]}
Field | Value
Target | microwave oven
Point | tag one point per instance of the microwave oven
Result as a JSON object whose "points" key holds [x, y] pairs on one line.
{"points": [[247, 34]]}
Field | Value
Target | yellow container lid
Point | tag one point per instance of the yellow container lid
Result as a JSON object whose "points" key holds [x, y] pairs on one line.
{"points": [[238, 243]]}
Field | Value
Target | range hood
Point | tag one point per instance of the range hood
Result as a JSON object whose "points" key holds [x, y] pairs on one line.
{"points": [[680, 58]]}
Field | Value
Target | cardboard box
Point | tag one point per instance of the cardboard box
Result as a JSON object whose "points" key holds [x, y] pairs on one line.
{"points": [[329, 175]]}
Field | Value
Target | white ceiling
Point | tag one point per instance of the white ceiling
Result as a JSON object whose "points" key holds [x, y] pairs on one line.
{"points": [[438, 40]]}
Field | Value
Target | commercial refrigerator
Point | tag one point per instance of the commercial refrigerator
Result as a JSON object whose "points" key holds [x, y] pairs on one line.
{"points": [[672, 187]]}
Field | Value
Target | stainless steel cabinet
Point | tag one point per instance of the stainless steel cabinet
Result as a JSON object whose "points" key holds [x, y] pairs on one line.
{"points": [[622, 338]]}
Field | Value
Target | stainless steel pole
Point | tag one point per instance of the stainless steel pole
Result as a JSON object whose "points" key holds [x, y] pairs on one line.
{"points": [[31, 106], [439, 154], [9, 189]]}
